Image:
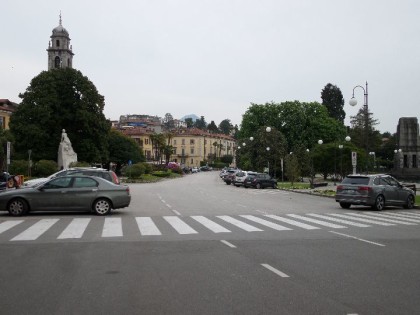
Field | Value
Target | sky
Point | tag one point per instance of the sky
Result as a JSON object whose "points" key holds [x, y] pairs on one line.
{"points": [[213, 58]]}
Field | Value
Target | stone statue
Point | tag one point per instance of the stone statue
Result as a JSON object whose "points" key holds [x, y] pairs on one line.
{"points": [[66, 154]]}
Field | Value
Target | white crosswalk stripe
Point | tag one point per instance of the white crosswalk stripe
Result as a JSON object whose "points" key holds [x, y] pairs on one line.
{"points": [[325, 217], [394, 216], [4, 226], [293, 222], [180, 226], [75, 229], [323, 223], [242, 225], [272, 225], [36, 230], [381, 219], [112, 228], [211, 225], [412, 214], [147, 226], [153, 226], [360, 219]]}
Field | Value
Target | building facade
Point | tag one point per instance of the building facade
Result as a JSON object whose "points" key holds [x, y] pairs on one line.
{"points": [[60, 52], [7, 108]]}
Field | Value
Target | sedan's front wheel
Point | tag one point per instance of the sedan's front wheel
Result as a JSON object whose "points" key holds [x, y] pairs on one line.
{"points": [[17, 207], [379, 203], [102, 206]]}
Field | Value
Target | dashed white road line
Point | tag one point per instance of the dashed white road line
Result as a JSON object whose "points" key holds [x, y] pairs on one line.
{"points": [[228, 244], [356, 238], [276, 271]]}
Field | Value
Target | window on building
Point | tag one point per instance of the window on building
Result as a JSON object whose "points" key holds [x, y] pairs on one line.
{"points": [[192, 161], [405, 160], [414, 161], [174, 150], [191, 141], [192, 150], [174, 141], [146, 141], [183, 152], [183, 141], [57, 62], [57, 43]]}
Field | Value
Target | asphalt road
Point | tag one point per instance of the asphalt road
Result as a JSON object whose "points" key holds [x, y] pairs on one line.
{"points": [[197, 246]]}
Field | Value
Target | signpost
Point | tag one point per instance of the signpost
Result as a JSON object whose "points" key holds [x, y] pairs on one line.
{"points": [[8, 156], [354, 161]]}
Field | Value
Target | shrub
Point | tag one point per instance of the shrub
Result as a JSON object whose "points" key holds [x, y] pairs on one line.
{"points": [[135, 170], [44, 168], [79, 164], [19, 167], [161, 173]]}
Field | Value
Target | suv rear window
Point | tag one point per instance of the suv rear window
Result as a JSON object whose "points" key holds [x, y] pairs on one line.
{"points": [[356, 180]]}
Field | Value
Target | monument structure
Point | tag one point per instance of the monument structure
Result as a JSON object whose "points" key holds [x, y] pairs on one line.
{"points": [[407, 152], [60, 52], [66, 154]]}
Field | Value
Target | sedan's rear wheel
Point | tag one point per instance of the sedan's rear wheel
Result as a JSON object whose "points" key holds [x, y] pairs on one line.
{"points": [[102, 206], [410, 202], [345, 205], [258, 186], [379, 203], [17, 207]]}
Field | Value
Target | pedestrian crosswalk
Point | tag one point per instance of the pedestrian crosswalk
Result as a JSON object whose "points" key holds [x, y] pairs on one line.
{"points": [[31, 229]]}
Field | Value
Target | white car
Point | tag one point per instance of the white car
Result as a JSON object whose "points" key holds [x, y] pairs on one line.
{"points": [[240, 177], [195, 170]]}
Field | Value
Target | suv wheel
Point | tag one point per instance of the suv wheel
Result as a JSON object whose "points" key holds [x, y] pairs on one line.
{"points": [[410, 202], [379, 203]]}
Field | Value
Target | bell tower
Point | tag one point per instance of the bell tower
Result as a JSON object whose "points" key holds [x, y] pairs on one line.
{"points": [[60, 54]]}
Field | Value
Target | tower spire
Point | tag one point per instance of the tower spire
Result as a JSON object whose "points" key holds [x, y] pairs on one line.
{"points": [[60, 18]]}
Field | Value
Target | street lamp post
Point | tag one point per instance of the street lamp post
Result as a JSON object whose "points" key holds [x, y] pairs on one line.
{"points": [[29, 163], [353, 102], [374, 159]]}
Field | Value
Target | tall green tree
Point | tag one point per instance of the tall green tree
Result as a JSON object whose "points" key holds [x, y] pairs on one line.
{"points": [[122, 149], [333, 100], [201, 123], [189, 122], [212, 128], [61, 99], [225, 126]]}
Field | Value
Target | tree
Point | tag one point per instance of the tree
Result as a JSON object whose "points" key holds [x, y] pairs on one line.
{"points": [[61, 99], [225, 126], [333, 100], [122, 149], [168, 122], [201, 123], [189, 122], [212, 128]]}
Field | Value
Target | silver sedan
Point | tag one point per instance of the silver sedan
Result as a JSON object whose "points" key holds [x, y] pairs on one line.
{"points": [[69, 193]]}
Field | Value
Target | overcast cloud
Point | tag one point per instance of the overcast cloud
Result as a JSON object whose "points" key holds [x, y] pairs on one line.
{"points": [[215, 57]]}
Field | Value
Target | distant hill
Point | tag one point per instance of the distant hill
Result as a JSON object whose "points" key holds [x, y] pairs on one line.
{"points": [[193, 116]]}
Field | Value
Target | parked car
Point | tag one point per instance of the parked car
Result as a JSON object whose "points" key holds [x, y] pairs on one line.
{"points": [[195, 169], [260, 180], [377, 191], [89, 171], [70, 192], [229, 176], [240, 177]]}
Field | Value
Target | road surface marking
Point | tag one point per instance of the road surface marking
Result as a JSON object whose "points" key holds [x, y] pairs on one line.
{"points": [[293, 222], [112, 228], [337, 220], [331, 225], [147, 226], [75, 229], [276, 271], [394, 216], [35, 230], [242, 225], [176, 212], [360, 219], [356, 238], [405, 216], [381, 219], [228, 244], [180, 226], [213, 226], [410, 214], [4, 226], [272, 225], [260, 211]]}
